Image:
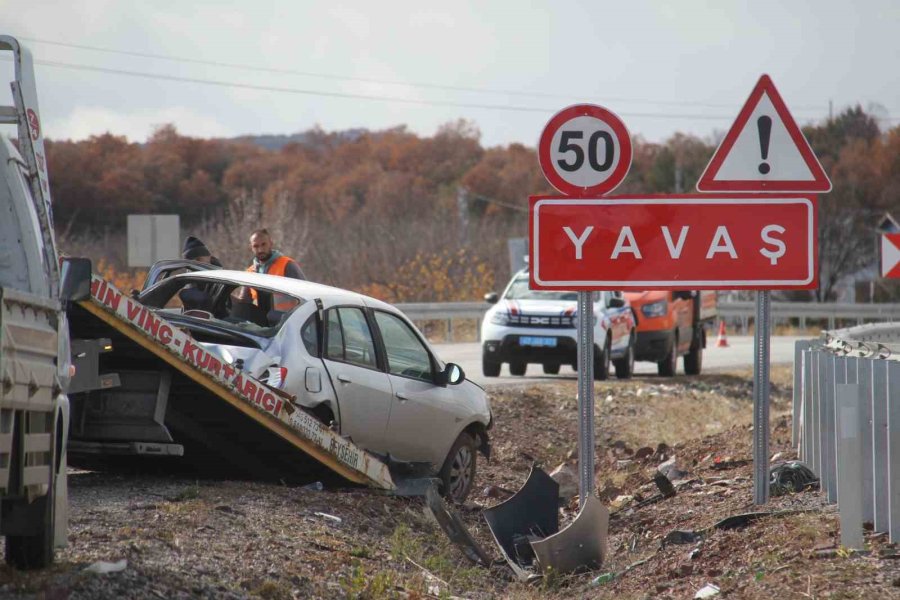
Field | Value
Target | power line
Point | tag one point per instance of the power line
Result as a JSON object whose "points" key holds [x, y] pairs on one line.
{"points": [[329, 76], [321, 93]]}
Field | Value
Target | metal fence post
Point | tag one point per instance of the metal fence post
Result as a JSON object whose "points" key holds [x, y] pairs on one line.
{"points": [[828, 431], [849, 461], [893, 430], [816, 437], [799, 347], [586, 395], [864, 380], [761, 399], [806, 432], [880, 443]]}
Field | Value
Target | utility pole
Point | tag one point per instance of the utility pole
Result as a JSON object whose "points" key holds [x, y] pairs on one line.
{"points": [[462, 206]]}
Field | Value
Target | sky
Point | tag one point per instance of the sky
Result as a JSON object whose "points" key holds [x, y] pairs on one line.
{"points": [[222, 69]]}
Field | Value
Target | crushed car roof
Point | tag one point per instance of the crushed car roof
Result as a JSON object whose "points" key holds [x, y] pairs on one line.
{"points": [[295, 287]]}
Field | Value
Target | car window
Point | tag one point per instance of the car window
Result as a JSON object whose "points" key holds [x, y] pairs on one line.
{"points": [[310, 334], [354, 343], [406, 355], [518, 290], [335, 337]]}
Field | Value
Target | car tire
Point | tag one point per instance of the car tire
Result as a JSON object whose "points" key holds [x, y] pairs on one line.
{"points": [[602, 360], [693, 360], [669, 365], [551, 368], [518, 368], [490, 368], [625, 365], [458, 473]]}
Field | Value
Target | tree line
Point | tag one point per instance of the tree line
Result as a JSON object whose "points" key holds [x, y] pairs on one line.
{"points": [[407, 217]]}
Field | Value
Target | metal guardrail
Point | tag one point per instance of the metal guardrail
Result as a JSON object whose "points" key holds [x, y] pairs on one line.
{"points": [[742, 311], [847, 424]]}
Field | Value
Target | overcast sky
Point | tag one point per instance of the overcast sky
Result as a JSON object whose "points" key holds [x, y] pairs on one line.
{"points": [[507, 66]]}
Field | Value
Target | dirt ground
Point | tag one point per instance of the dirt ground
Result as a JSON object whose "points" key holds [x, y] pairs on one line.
{"points": [[228, 539]]}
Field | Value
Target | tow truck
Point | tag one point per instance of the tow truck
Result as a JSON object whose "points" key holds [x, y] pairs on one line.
{"points": [[34, 342]]}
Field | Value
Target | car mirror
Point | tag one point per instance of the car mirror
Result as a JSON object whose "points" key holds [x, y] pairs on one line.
{"points": [[453, 374], [491, 298], [75, 281], [615, 302]]}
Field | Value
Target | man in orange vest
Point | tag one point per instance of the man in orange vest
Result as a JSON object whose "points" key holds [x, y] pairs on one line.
{"points": [[270, 261]]}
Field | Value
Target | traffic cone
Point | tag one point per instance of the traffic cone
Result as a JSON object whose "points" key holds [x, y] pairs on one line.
{"points": [[722, 342]]}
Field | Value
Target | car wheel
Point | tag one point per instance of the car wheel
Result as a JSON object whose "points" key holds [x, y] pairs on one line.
{"points": [[458, 473], [518, 368], [669, 365], [693, 360], [490, 368], [625, 365], [601, 361], [551, 368]]}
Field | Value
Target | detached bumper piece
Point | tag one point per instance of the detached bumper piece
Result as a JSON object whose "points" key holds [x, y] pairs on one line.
{"points": [[526, 527]]}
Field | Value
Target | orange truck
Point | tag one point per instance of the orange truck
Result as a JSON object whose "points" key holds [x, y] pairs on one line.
{"points": [[672, 324]]}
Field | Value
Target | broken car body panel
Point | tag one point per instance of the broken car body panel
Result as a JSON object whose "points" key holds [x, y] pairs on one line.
{"points": [[159, 339]]}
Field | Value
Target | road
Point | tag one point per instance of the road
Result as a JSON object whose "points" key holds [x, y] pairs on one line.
{"points": [[738, 354]]}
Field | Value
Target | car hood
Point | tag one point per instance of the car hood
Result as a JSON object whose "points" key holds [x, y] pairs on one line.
{"points": [[537, 307]]}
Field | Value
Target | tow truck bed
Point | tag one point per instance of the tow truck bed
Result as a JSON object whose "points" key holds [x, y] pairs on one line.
{"points": [[180, 400]]}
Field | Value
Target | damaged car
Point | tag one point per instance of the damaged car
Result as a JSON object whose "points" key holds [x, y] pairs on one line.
{"points": [[356, 363]]}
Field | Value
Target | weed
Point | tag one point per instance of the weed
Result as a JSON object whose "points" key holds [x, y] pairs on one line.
{"points": [[361, 552]]}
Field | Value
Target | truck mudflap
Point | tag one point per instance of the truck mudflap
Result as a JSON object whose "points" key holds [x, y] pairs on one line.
{"points": [[264, 425]]}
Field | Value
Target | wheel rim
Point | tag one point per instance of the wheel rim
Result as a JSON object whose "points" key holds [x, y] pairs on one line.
{"points": [[460, 472]]}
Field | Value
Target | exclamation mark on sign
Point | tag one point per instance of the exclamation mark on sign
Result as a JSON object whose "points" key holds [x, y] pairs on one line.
{"points": [[764, 124]]}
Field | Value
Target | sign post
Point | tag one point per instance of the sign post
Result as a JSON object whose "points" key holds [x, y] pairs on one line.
{"points": [[584, 150], [764, 151]]}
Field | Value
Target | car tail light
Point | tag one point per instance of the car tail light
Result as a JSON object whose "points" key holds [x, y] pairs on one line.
{"points": [[275, 376]]}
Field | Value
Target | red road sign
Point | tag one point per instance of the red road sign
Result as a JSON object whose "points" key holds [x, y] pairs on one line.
{"points": [[673, 242], [890, 255], [585, 150], [764, 151]]}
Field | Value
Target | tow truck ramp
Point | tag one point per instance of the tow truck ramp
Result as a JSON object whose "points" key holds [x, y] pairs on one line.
{"points": [[223, 418]]}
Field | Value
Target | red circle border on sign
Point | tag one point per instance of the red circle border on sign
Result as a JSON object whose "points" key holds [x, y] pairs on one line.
{"points": [[585, 110]]}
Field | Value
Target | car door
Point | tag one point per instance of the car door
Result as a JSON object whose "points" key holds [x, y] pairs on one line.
{"points": [[362, 388], [422, 424]]}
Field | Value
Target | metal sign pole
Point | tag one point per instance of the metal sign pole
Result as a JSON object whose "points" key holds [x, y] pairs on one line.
{"points": [[761, 400], [585, 395]]}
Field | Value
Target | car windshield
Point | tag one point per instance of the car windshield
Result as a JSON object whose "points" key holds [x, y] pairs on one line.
{"points": [[518, 290], [222, 304]]}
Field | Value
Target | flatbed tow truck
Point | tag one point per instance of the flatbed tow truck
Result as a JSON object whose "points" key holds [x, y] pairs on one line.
{"points": [[140, 372]]}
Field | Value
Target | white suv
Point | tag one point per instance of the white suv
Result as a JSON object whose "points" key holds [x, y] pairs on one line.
{"points": [[535, 326]]}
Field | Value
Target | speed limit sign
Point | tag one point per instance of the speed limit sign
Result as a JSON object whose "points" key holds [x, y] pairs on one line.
{"points": [[585, 150]]}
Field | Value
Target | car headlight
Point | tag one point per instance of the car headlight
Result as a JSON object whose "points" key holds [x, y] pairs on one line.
{"points": [[655, 309], [500, 318]]}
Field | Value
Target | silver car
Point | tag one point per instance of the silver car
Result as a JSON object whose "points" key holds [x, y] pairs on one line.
{"points": [[355, 362]]}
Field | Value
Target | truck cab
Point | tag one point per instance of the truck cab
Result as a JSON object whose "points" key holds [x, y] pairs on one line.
{"points": [[671, 324], [34, 341]]}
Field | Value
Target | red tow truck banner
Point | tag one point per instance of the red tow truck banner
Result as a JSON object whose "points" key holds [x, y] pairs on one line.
{"points": [[759, 242]]}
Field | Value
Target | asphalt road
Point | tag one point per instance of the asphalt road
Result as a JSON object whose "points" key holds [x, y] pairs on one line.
{"points": [[738, 354]]}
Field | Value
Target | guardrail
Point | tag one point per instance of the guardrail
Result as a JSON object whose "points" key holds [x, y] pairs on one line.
{"points": [[744, 312], [847, 424]]}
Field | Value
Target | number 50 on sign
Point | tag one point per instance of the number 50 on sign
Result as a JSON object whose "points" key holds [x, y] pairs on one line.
{"points": [[585, 150]]}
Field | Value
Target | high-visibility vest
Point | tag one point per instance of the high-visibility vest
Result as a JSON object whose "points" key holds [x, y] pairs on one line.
{"points": [[279, 301]]}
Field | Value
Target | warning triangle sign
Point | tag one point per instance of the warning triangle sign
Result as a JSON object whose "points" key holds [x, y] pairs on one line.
{"points": [[764, 151], [890, 255]]}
